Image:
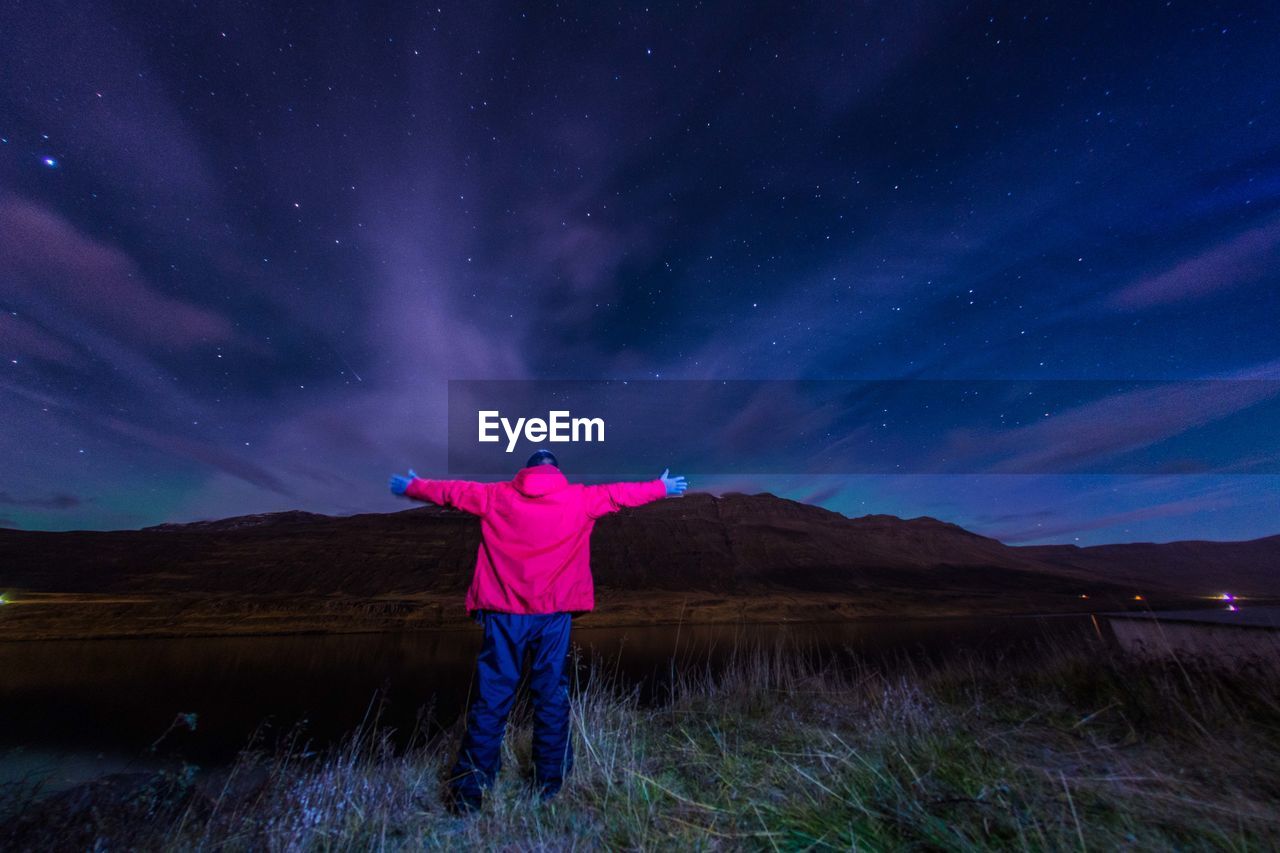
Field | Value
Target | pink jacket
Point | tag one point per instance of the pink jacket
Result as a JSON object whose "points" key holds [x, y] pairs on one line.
{"points": [[534, 532]]}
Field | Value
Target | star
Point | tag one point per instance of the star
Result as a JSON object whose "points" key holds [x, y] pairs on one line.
{"points": [[50, 162]]}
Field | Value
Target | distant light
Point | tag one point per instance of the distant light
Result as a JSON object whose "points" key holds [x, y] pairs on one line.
{"points": [[3, 599], [1226, 596], [1082, 595], [1232, 607], [51, 162], [1137, 598]]}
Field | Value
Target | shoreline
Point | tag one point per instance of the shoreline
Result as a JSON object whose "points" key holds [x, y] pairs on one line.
{"points": [[50, 617]]}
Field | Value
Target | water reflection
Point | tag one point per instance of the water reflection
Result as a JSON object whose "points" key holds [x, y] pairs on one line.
{"points": [[97, 699]]}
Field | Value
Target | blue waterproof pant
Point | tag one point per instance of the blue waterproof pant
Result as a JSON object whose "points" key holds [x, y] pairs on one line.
{"points": [[507, 638]]}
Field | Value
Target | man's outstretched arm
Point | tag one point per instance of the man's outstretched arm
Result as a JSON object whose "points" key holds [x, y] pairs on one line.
{"points": [[611, 497], [465, 495]]}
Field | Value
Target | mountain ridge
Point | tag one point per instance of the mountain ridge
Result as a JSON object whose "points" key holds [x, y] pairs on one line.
{"points": [[731, 543]]}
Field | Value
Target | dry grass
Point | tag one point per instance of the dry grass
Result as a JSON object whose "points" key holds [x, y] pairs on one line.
{"points": [[1070, 748]]}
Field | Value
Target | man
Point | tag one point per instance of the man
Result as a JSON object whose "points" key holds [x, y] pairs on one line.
{"points": [[532, 575]]}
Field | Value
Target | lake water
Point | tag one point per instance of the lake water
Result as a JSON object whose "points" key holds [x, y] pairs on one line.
{"points": [[71, 710]]}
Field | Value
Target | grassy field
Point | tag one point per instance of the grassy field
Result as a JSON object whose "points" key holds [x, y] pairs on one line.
{"points": [[1066, 748]]}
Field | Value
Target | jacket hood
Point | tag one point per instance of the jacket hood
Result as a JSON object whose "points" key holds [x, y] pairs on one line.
{"points": [[539, 480]]}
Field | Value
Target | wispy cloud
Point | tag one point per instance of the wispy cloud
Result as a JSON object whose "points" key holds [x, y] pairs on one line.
{"points": [[55, 501], [21, 337], [1244, 258], [1092, 435], [53, 266], [181, 447], [1060, 526]]}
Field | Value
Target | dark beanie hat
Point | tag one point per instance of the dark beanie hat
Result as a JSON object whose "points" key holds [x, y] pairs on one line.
{"points": [[542, 457]]}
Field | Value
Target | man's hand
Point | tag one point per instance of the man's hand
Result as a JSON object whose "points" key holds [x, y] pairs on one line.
{"points": [[675, 485], [399, 484]]}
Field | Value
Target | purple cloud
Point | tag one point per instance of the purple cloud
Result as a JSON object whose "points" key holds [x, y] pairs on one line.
{"points": [[1099, 430], [199, 451], [23, 338], [1244, 258], [47, 258]]}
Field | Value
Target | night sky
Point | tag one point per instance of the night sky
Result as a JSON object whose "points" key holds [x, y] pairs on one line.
{"points": [[243, 246]]}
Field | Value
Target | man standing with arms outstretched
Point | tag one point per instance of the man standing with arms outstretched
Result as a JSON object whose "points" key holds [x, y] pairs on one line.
{"points": [[533, 573]]}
